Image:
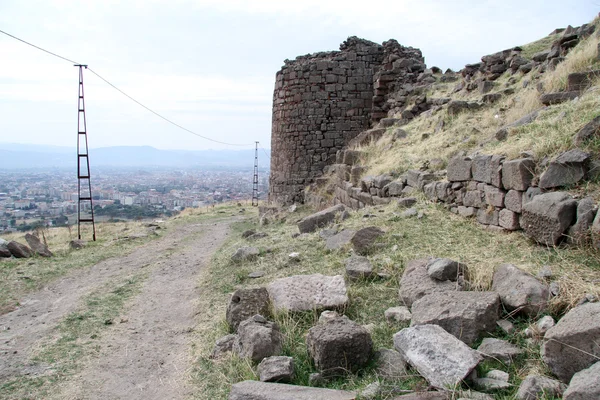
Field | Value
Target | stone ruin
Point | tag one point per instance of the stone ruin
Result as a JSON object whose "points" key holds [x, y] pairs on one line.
{"points": [[322, 101]]}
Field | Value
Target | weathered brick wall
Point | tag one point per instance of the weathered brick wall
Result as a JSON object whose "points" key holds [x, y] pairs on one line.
{"points": [[322, 101]]}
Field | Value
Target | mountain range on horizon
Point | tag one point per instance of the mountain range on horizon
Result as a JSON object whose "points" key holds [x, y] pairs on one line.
{"points": [[31, 156]]}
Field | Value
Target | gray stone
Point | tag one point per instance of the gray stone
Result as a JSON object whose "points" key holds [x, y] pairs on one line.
{"points": [[358, 267], [494, 380], [320, 219], [499, 350], [482, 168], [371, 392], [573, 344], [474, 198], [541, 56], [77, 244], [457, 106], [19, 250], [581, 230], [328, 315], [544, 324], [381, 181], [506, 326], [37, 246], [508, 220], [547, 217], [411, 212], [466, 315], [513, 201], [256, 274], [245, 254], [246, 303], [519, 290], [442, 359], [248, 233], [444, 269], [394, 188], [467, 212], [340, 240], [398, 314], [530, 194], [545, 272], [568, 168], [494, 196], [308, 292], [424, 396], [473, 395], [536, 387], [257, 235], [255, 390], [416, 283], [459, 169], [258, 338], [339, 346], [327, 233], [407, 202], [390, 364], [590, 131], [518, 174], [585, 384], [223, 346], [558, 97], [276, 369], [488, 217], [364, 239]]}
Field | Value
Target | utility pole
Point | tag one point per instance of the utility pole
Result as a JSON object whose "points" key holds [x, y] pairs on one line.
{"points": [[255, 180], [84, 184]]}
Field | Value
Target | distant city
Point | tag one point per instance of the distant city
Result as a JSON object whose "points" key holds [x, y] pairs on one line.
{"points": [[46, 197]]}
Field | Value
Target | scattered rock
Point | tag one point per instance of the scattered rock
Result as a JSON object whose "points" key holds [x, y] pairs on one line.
{"points": [[499, 349], [547, 217], [19, 250], [223, 346], [506, 326], [77, 244], [465, 315], [443, 360], [495, 379], [364, 239], [557, 98], [308, 292], [544, 324], [444, 269], [245, 254], [390, 364], [580, 232], [536, 387], [424, 396], [568, 168], [411, 212], [295, 256], [339, 346], [406, 202], [340, 240], [320, 219], [416, 283], [519, 290], [248, 233], [327, 233], [258, 338], [256, 274], [371, 391], [398, 314], [276, 369], [258, 235], [255, 390], [585, 384], [573, 344], [590, 131], [545, 272], [358, 267], [246, 303]]}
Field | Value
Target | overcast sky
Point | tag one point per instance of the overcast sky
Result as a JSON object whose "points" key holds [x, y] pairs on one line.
{"points": [[210, 65]]}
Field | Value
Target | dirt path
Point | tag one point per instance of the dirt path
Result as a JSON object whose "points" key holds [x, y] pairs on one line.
{"points": [[145, 358]]}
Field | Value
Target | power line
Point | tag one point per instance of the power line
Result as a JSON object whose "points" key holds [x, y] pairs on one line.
{"points": [[128, 96]]}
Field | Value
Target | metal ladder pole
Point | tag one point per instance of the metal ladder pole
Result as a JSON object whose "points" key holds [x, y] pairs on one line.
{"points": [[83, 162], [255, 180]]}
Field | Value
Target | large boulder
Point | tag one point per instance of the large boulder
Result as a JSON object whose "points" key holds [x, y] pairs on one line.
{"points": [[465, 315], [573, 344], [4, 251], [276, 369], [416, 283], [339, 345], [519, 290], [442, 359], [308, 292], [258, 338], [255, 390], [546, 218], [364, 239], [518, 174], [567, 169], [339, 240], [19, 250], [246, 303], [320, 219], [36, 245], [536, 387], [585, 384]]}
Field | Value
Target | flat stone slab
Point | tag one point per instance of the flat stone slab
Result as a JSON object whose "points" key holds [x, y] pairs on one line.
{"points": [[320, 219], [308, 292], [585, 384], [546, 218], [499, 349], [339, 240], [442, 359], [254, 390], [520, 290]]}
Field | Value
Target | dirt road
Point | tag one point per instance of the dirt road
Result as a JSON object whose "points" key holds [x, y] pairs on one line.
{"points": [[148, 356]]}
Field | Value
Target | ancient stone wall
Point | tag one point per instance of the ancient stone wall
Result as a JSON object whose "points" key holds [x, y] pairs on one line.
{"points": [[322, 101]]}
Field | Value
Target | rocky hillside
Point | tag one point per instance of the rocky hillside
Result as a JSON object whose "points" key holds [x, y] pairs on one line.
{"points": [[455, 254]]}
